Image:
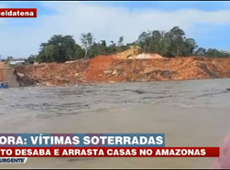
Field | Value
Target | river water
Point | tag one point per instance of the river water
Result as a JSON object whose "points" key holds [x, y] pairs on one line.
{"points": [[190, 113]]}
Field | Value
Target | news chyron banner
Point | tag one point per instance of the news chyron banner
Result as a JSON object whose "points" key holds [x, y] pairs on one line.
{"points": [[18, 12], [17, 148]]}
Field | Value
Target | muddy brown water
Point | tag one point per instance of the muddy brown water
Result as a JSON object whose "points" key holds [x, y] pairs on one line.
{"points": [[190, 113]]}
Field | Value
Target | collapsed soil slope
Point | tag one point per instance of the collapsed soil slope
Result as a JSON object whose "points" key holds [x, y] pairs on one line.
{"points": [[110, 69]]}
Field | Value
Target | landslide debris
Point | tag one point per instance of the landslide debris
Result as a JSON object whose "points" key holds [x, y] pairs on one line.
{"points": [[13, 77], [23, 79], [111, 69], [50, 74], [132, 51], [1, 72]]}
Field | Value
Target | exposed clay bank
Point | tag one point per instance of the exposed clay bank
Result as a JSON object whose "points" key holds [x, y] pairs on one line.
{"points": [[107, 69]]}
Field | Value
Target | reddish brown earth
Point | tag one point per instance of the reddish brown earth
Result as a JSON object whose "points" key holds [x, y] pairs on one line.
{"points": [[1, 73], [109, 69]]}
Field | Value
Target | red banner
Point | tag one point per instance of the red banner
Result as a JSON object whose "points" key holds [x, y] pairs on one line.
{"points": [[18, 12], [110, 152]]}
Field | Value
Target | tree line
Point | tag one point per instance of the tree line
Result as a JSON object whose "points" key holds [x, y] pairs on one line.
{"points": [[173, 43]]}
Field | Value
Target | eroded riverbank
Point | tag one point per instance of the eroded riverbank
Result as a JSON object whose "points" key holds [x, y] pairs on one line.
{"points": [[107, 69]]}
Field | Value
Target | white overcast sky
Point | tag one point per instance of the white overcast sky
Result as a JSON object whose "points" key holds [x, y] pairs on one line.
{"points": [[21, 37]]}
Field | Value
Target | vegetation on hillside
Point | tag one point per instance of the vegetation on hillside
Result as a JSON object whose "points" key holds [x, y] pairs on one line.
{"points": [[173, 43]]}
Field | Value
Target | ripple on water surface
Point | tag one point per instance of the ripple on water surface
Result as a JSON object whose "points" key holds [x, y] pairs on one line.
{"points": [[191, 113]]}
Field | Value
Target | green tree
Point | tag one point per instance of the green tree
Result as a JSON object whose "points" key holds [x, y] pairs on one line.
{"points": [[58, 48], [200, 52], [79, 52], [172, 43], [87, 41], [169, 44], [32, 58]]}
